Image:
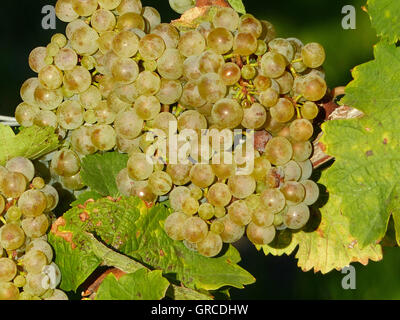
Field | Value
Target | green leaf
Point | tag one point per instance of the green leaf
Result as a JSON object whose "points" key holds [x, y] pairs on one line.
{"points": [[238, 6], [326, 243], [99, 171], [31, 143], [385, 18], [128, 226], [83, 197], [140, 285], [365, 173]]}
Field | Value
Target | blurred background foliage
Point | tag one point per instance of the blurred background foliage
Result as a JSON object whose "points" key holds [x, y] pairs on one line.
{"points": [[308, 20]]}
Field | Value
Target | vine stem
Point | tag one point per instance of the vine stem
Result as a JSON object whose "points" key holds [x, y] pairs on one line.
{"points": [[111, 258], [9, 121]]}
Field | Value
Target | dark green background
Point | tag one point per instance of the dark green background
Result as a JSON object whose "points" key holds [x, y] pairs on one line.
{"points": [[308, 20]]}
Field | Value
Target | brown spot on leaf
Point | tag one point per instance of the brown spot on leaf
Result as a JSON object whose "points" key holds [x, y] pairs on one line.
{"points": [[203, 3], [92, 289], [369, 153], [162, 253], [84, 216], [385, 141]]}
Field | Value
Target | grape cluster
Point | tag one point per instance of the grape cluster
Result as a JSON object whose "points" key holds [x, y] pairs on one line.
{"points": [[26, 268], [122, 80]]}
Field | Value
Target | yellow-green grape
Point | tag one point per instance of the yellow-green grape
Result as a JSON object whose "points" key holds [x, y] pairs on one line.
{"points": [[285, 83], [14, 213], [273, 200], [232, 232], [130, 20], [59, 39], [283, 47], [140, 167], [77, 80], [152, 17], [104, 114], [239, 213], [151, 47], [84, 8], [191, 97], [70, 115], [8, 269], [73, 183], [227, 113], [190, 206], [193, 120], [250, 24], [125, 44], [125, 70], [103, 20], [195, 229], [180, 6], [219, 195], [36, 284], [309, 110], [150, 65], [245, 44], [81, 141], [312, 192], [230, 73], [32, 203], [11, 236], [66, 59], [105, 41], [180, 173], [248, 72], [242, 186], [19, 281], [41, 245], [297, 216], [261, 168], [52, 49], [34, 261], [2, 204], [283, 111], [169, 34], [220, 40], [191, 43], [313, 55], [273, 65], [147, 107], [66, 163], [210, 246], [195, 192], [25, 114], [21, 165], [88, 62], [312, 87], [292, 171], [262, 83], [278, 151], [110, 4], [13, 184], [128, 124], [8, 291], [294, 192], [226, 18], [217, 227], [262, 48], [103, 137], [219, 212], [160, 182], [206, 211], [36, 59], [262, 217], [224, 165], [177, 196], [65, 11], [302, 150], [254, 117], [301, 130], [38, 183], [84, 41], [45, 118], [210, 62], [52, 197], [269, 97], [260, 235], [202, 175], [170, 64]]}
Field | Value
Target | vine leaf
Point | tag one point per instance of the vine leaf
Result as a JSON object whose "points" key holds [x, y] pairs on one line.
{"points": [[31, 143], [99, 171], [328, 246], [140, 285], [237, 5], [365, 174], [129, 227], [384, 18]]}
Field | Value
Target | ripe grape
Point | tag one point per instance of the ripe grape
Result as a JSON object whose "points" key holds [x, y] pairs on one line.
{"points": [[230, 73], [245, 44], [260, 235], [220, 40], [151, 47], [195, 229], [312, 192], [206, 211], [21, 165], [13, 184], [8, 269], [278, 151], [283, 47], [202, 175], [66, 163], [103, 20], [140, 167], [219, 195], [170, 64], [11, 236], [242, 186], [169, 34], [32, 203], [8, 291], [309, 110], [210, 246], [125, 44], [269, 97], [301, 130], [180, 6], [226, 18], [273, 65], [297, 216], [313, 55], [239, 213], [227, 113], [191, 43], [292, 171], [174, 225], [232, 232], [273, 200], [294, 192]]}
